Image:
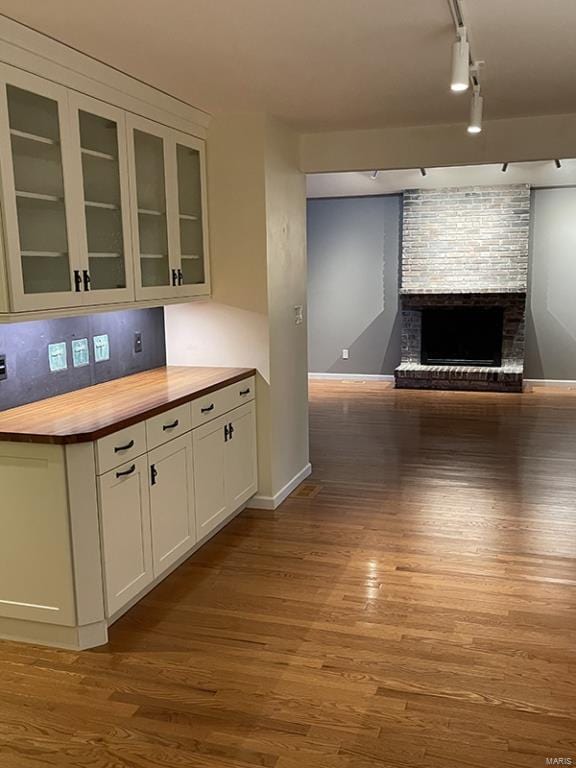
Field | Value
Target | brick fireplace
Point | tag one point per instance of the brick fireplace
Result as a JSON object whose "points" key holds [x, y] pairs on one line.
{"points": [[464, 248]]}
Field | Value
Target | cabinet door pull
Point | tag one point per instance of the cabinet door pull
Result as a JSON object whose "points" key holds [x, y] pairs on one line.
{"points": [[124, 447], [127, 471], [180, 277], [86, 278], [245, 391], [174, 278], [153, 474], [77, 281], [226, 433], [207, 409], [231, 431], [171, 426]]}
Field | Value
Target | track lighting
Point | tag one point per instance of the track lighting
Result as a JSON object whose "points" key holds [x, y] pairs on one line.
{"points": [[423, 171], [557, 163], [504, 167], [475, 124], [460, 62]]}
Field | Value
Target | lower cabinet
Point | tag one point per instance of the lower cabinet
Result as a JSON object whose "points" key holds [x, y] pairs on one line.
{"points": [[125, 532], [171, 502], [224, 466], [156, 507], [240, 457]]}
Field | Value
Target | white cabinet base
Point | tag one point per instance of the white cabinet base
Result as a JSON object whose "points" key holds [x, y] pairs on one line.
{"points": [[54, 635]]}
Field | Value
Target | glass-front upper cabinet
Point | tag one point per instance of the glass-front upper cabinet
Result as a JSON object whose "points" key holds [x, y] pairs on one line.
{"points": [[151, 214], [37, 184], [190, 174], [102, 171], [167, 178]]}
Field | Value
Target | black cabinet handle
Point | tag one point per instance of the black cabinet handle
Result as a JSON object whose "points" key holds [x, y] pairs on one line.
{"points": [[207, 409], [180, 277], [171, 426], [174, 278], [245, 391], [124, 447], [86, 278], [231, 431], [153, 474], [226, 433], [127, 471], [77, 281]]}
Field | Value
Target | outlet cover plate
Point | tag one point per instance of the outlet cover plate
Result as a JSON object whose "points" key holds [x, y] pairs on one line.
{"points": [[101, 348], [57, 357], [80, 353]]}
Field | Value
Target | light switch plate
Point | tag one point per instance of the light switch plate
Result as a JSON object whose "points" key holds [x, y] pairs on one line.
{"points": [[101, 348], [80, 353], [57, 357]]}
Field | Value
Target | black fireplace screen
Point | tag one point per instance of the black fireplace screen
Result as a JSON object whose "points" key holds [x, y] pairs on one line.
{"points": [[462, 336]]}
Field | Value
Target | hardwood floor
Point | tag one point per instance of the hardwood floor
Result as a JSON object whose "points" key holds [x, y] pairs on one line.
{"points": [[412, 605]]}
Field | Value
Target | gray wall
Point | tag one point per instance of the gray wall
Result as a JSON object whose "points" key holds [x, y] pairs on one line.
{"points": [[551, 321], [26, 348], [353, 263]]}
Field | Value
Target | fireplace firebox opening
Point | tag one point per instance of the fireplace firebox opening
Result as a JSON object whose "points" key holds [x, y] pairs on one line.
{"points": [[462, 336]]}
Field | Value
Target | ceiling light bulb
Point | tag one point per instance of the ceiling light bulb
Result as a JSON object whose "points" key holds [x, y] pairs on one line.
{"points": [[460, 63], [475, 124]]}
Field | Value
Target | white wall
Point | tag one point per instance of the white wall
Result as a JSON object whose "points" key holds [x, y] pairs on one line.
{"points": [[258, 253], [526, 138]]}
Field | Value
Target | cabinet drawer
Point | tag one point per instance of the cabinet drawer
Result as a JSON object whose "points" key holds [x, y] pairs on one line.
{"points": [[120, 447], [164, 427], [223, 400], [243, 391]]}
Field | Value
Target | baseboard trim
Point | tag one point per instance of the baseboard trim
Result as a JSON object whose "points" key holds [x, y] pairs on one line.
{"points": [[273, 502], [568, 383], [353, 376]]}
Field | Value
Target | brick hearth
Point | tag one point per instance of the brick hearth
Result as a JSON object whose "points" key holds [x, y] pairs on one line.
{"points": [[464, 247]]}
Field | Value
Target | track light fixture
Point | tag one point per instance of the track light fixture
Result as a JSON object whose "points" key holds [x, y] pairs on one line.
{"points": [[374, 175], [460, 62], [557, 163], [504, 167], [423, 171], [476, 107]]}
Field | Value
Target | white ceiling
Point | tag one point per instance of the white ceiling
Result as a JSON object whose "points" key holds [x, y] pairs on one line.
{"points": [[353, 184], [326, 64]]}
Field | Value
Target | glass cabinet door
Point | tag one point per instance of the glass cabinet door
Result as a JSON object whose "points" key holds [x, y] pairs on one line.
{"points": [[189, 171], [107, 257], [36, 184], [155, 275]]}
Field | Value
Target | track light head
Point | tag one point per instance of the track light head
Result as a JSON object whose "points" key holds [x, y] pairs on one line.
{"points": [[504, 167], [476, 108], [558, 164], [460, 62], [374, 175], [423, 171]]}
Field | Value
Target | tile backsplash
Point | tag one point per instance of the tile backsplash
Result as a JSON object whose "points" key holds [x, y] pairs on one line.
{"points": [[101, 345]]}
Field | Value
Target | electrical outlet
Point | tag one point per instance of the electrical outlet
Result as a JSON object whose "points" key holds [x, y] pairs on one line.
{"points": [[57, 357], [101, 348], [80, 353], [3, 371], [137, 341], [345, 354]]}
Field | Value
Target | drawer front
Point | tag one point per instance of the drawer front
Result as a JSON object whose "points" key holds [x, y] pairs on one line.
{"points": [[243, 391], [120, 447], [223, 400], [164, 427]]}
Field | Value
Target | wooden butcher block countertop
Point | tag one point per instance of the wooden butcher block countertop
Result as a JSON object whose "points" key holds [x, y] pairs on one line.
{"points": [[91, 413]]}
